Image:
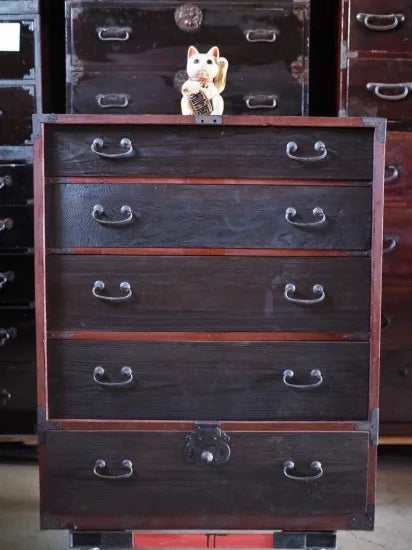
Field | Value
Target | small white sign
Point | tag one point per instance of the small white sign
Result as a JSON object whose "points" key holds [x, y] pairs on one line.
{"points": [[9, 37]]}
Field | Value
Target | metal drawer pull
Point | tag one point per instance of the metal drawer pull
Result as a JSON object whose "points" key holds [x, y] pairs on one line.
{"points": [[392, 241], [6, 335], [319, 146], [395, 173], [101, 465], [315, 465], [5, 396], [260, 101], [290, 288], [6, 277], [261, 35], [110, 34], [100, 373], [317, 212], [7, 223], [376, 88], [98, 211], [5, 181], [125, 143], [393, 18], [124, 287], [107, 101], [315, 374]]}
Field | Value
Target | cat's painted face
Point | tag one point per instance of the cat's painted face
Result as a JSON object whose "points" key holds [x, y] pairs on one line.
{"points": [[202, 65]]}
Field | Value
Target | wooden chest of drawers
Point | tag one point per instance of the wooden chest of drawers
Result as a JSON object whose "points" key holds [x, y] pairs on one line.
{"points": [[208, 309]]}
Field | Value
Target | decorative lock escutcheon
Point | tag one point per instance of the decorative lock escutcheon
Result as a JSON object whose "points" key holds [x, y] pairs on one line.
{"points": [[208, 445], [188, 17]]}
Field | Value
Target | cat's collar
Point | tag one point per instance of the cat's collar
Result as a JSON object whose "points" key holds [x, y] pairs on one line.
{"points": [[201, 79]]}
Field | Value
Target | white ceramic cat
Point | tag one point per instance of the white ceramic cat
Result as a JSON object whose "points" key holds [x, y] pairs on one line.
{"points": [[207, 74]]}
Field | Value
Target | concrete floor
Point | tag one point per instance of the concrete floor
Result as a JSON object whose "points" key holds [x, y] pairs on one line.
{"points": [[19, 509]]}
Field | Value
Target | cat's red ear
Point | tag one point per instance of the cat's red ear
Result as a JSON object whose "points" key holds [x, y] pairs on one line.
{"points": [[214, 51], [191, 52]]}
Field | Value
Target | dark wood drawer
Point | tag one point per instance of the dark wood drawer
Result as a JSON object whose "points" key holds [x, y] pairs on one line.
{"points": [[17, 386], [266, 89], [209, 151], [208, 293], [17, 105], [156, 35], [208, 380], [17, 335], [397, 258], [16, 227], [16, 279], [398, 175], [396, 385], [396, 312], [16, 183], [231, 216], [19, 65], [249, 491]]}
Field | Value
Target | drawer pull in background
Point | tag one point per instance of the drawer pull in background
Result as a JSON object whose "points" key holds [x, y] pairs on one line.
{"points": [[261, 35], [98, 212], [124, 287], [6, 335], [7, 223], [125, 143], [101, 465], [317, 213], [107, 101], [319, 146], [394, 175], [5, 397], [99, 374], [260, 101], [393, 18], [376, 88], [290, 288], [5, 181], [117, 34], [6, 277], [314, 374], [315, 465], [390, 242]]}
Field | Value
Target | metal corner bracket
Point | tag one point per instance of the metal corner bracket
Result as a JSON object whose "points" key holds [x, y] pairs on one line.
{"points": [[371, 426]]}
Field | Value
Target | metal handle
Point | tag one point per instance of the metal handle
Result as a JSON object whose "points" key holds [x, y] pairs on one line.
{"points": [[260, 101], [317, 289], [110, 34], [5, 396], [124, 287], [6, 277], [376, 88], [6, 181], [315, 374], [6, 335], [392, 241], [100, 373], [107, 101], [317, 213], [394, 18], [125, 143], [260, 35], [98, 211], [394, 175], [319, 146], [101, 465], [315, 465], [6, 223]]}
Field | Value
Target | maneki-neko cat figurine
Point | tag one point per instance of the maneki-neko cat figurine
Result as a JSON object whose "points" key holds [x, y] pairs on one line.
{"points": [[207, 80]]}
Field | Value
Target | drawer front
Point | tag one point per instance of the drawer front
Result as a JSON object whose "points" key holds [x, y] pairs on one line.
{"points": [[396, 312], [16, 183], [380, 87], [396, 386], [166, 491], [210, 151], [208, 381], [158, 35], [397, 258], [266, 90], [16, 227], [232, 216], [19, 62], [16, 279], [398, 173], [17, 386], [380, 26], [208, 293], [17, 105], [17, 335]]}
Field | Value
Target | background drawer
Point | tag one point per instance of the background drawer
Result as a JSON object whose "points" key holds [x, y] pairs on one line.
{"points": [[17, 105], [16, 279], [16, 183], [398, 175], [396, 385], [244, 493], [16, 65], [232, 216], [208, 293], [17, 386], [397, 258], [18, 232], [208, 381], [17, 335]]}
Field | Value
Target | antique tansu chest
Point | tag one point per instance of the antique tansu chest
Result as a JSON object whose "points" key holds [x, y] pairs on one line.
{"points": [[208, 319]]}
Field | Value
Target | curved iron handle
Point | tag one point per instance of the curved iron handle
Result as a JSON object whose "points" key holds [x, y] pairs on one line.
{"points": [[396, 18], [124, 287], [260, 35], [125, 143], [98, 211], [6, 277], [393, 243], [317, 212], [272, 98], [6, 223], [317, 289], [315, 465], [6, 335], [111, 98], [6, 181], [315, 373], [376, 88], [319, 146], [5, 396], [114, 34], [99, 373], [101, 465], [395, 173]]}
